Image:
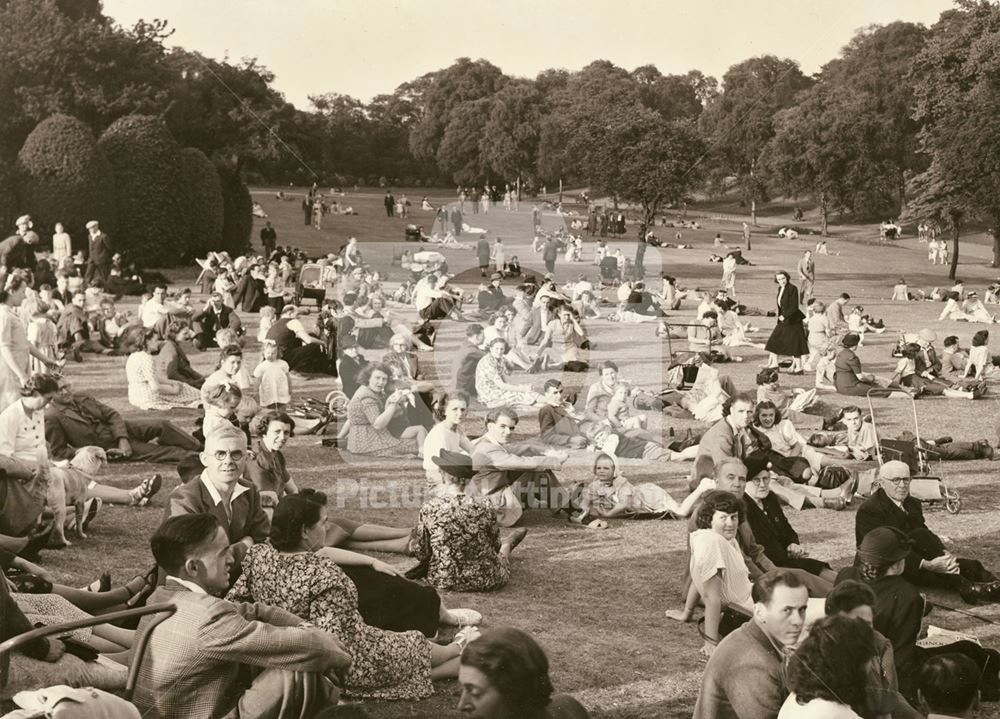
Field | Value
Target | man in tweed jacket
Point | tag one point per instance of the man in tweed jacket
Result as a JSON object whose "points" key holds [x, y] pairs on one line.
{"points": [[214, 658]]}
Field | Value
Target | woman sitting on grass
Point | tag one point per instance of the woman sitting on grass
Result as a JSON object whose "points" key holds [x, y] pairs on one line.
{"points": [[370, 411], [718, 571], [146, 389], [291, 574], [492, 386], [457, 539]]}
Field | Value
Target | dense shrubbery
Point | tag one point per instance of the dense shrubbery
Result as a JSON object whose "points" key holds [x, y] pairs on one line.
{"points": [[204, 204], [8, 201], [62, 176], [238, 211], [146, 161]]}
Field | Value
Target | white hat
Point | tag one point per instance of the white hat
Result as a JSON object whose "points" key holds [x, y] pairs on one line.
{"points": [[92, 224], [23, 220]]}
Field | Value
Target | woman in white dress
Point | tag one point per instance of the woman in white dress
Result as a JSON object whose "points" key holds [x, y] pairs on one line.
{"points": [[62, 246], [145, 389]]}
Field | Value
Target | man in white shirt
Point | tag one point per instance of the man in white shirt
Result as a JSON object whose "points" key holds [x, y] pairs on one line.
{"points": [[155, 313]]}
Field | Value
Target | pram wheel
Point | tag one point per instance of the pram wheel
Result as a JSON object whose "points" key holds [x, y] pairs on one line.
{"points": [[952, 501], [337, 403]]}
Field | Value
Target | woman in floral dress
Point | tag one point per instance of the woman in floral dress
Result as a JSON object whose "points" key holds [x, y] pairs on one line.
{"points": [[290, 573], [370, 411], [147, 390], [492, 386], [457, 538]]}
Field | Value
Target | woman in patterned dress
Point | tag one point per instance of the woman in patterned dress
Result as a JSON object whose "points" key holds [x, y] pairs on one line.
{"points": [[457, 538], [290, 573], [492, 386], [146, 390], [370, 411]]}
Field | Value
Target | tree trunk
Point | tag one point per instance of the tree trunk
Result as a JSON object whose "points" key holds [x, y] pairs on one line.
{"points": [[953, 270], [996, 242], [824, 213], [902, 193], [753, 195]]}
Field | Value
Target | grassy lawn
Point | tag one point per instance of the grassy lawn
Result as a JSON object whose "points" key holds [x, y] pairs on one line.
{"points": [[595, 599]]}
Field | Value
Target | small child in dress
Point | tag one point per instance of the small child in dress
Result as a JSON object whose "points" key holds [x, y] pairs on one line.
{"points": [[619, 414], [43, 334], [273, 376], [825, 368], [267, 320], [900, 293]]}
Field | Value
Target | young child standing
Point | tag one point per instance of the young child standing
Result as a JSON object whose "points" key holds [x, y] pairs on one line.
{"points": [[43, 334], [272, 374]]}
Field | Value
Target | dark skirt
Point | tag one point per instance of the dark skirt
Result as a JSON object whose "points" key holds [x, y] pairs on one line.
{"points": [[310, 359], [394, 603], [788, 340]]}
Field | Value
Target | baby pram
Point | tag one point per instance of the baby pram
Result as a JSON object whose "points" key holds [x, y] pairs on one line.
{"points": [[925, 487], [310, 284], [313, 416]]}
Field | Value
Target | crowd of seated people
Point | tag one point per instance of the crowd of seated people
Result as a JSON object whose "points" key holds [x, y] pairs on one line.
{"points": [[747, 466]]}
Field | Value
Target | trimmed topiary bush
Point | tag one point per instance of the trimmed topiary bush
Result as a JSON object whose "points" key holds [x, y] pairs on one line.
{"points": [[62, 176], [237, 224], [146, 161], [205, 204]]}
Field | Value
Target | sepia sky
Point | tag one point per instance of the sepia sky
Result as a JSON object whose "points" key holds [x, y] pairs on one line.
{"points": [[368, 47]]}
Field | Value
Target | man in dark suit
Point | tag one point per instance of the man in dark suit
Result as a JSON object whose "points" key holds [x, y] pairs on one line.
{"points": [[464, 372], [99, 255], [214, 658], [76, 420], [390, 203], [268, 238], [17, 251], [214, 317], [928, 563]]}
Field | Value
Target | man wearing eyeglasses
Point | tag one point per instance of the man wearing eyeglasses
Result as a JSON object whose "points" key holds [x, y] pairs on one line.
{"points": [[928, 563], [220, 490]]}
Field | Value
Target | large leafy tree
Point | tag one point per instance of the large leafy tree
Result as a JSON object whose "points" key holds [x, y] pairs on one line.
{"points": [[739, 121], [875, 91], [944, 199], [509, 140], [442, 95], [59, 58], [632, 154], [958, 91]]}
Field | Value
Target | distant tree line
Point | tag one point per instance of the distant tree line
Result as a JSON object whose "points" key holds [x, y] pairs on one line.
{"points": [[902, 122]]}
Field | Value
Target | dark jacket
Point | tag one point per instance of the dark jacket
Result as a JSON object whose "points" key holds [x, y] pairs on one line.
{"points": [[79, 422], [248, 518], [880, 511], [899, 609], [771, 528], [465, 370], [211, 321], [100, 249]]}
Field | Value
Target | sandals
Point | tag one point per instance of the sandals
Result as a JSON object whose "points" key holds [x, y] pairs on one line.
{"points": [[146, 490]]}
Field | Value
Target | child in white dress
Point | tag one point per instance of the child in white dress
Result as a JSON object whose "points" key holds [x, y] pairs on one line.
{"points": [[273, 375]]}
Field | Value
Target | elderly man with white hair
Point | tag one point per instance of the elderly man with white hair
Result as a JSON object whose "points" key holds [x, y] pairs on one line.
{"points": [[928, 563]]}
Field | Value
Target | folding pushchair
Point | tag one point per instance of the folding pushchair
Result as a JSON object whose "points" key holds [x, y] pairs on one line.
{"points": [[924, 487], [138, 648]]}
